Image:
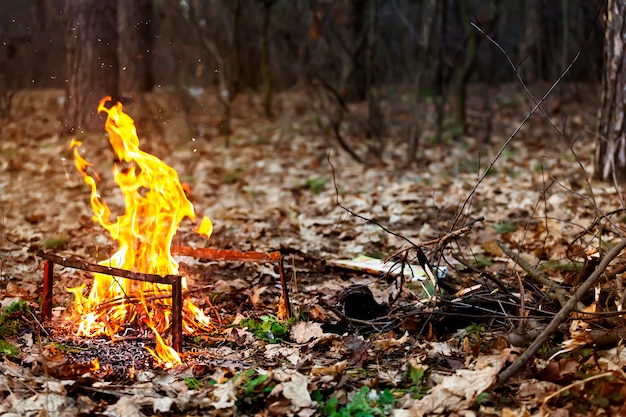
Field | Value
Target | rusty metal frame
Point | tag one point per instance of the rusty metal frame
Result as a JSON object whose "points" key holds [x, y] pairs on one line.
{"points": [[174, 280]]}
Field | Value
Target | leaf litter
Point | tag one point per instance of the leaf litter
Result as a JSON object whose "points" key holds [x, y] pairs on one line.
{"points": [[419, 354]]}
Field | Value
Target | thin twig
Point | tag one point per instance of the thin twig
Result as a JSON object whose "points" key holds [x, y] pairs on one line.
{"points": [[562, 315], [483, 274], [561, 295], [537, 106], [522, 307], [366, 219]]}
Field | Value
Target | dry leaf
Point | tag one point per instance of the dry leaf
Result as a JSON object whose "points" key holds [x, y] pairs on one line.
{"points": [[297, 390], [255, 298], [224, 395], [388, 343], [51, 404], [124, 407], [458, 391], [304, 331]]}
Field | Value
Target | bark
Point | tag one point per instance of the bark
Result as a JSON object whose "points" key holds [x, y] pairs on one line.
{"points": [[91, 58], [610, 158], [135, 45], [528, 47], [374, 114], [356, 89], [266, 89]]}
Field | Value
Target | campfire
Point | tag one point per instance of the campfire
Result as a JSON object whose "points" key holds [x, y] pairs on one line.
{"points": [[139, 286], [156, 203]]}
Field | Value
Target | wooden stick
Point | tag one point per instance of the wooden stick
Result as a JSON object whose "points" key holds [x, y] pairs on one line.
{"points": [[46, 297], [561, 316], [177, 315]]}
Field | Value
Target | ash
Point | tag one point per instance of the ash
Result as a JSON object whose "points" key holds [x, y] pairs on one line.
{"points": [[118, 359]]}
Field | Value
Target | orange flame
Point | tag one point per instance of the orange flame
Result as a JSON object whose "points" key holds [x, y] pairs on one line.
{"points": [[155, 205]]}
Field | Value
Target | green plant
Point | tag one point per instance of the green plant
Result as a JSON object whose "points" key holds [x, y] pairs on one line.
{"points": [[365, 403], [315, 185], [55, 242], [481, 261], [10, 325], [193, 383], [253, 382], [9, 319], [475, 329], [268, 328], [252, 388], [7, 349], [417, 377]]}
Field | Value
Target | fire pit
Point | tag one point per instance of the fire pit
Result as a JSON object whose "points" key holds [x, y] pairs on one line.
{"points": [[140, 284]]}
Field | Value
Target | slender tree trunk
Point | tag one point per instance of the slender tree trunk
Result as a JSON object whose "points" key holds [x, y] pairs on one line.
{"points": [[528, 48], [266, 88], [356, 88], [92, 66], [610, 160], [135, 45], [374, 115]]}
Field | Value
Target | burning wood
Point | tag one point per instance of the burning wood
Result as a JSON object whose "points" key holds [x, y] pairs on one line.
{"points": [[152, 297], [173, 280]]}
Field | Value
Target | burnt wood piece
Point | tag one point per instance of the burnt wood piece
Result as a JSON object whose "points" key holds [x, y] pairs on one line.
{"points": [[46, 297], [174, 280], [177, 314]]}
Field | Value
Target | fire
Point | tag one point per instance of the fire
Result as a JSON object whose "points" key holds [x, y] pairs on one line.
{"points": [[155, 205]]}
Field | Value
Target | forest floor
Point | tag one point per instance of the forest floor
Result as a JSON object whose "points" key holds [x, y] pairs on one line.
{"points": [[412, 349]]}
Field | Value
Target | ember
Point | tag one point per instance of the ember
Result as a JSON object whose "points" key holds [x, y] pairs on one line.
{"points": [[155, 205]]}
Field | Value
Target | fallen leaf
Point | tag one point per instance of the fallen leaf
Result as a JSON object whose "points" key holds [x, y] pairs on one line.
{"points": [[162, 404], [50, 404], [297, 390], [304, 331], [224, 395], [124, 407], [459, 390], [255, 298], [389, 343]]}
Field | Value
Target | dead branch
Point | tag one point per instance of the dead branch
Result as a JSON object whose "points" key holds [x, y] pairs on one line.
{"points": [[562, 315], [483, 274], [560, 294]]}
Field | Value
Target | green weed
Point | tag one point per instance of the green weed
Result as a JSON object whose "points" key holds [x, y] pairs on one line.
{"points": [[10, 325], [315, 185], [363, 404], [481, 261], [268, 328], [56, 242], [504, 227], [193, 383], [417, 377]]}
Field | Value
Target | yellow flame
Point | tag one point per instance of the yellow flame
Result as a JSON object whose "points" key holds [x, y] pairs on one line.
{"points": [[155, 205]]}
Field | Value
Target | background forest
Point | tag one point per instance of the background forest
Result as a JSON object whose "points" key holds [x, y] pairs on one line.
{"points": [[384, 53]]}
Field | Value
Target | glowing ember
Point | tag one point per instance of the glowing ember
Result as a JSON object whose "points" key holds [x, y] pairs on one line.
{"points": [[155, 205]]}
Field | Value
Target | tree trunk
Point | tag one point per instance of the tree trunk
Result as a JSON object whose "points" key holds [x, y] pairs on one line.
{"points": [[136, 40], [266, 89], [610, 160], [356, 88], [529, 44], [92, 66]]}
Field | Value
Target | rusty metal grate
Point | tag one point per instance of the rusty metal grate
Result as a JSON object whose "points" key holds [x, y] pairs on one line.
{"points": [[174, 280]]}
